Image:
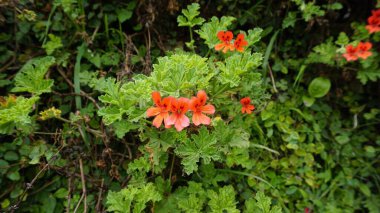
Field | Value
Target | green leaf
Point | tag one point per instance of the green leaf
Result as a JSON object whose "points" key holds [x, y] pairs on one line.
{"points": [[261, 204], [123, 14], [365, 189], [343, 39], [31, 76], [224, 201], [368, 75], [189, 18], [132, 196], [203, 146], [11, 156], [17, 115], [4, 166], [54, 43], [210, 29], [308, 101], [254, 36], [324, 53], [289, 20], [319, 87], [14, 175], [235, 66], [61, 193], [180, 72]]}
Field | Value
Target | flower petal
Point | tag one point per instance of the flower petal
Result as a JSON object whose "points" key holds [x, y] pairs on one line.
{"points": [[204, 119], [156, 98], [219, 46], [171, 120], [158, 121], [153, 111], [208, 109], [202, 97]]}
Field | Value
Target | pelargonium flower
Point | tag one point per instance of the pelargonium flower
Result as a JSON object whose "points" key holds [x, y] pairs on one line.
{"points": [[240, 43], [350, 54], [179, 107], [363, 50], [373, 24], [198, 106], [247, 107], [161, 111], [225, 37]]}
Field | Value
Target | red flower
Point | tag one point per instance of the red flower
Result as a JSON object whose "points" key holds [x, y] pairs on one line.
{"points": [[350, 54], [307, 210], [198, 106], [161, 111], [178, 118], [363, 50], [247, 107], [373, 24], [240, 43], [225, 37]]}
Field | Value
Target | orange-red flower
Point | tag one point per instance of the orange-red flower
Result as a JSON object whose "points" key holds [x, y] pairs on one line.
{"points": [[198, 106], [240, 43], [363, 50], [373, 24], [351, 53], [161, 111], [225, 37], [247, 107], [179, 107]]}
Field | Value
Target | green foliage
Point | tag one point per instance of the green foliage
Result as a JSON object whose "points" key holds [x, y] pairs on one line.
{"points": [[31, 77], [189, 17], [202, 146], [16, 115], [222, 201], [132, 199], [236, 66], [319, 87], [54, 43], [180, 72], [261, 204]]}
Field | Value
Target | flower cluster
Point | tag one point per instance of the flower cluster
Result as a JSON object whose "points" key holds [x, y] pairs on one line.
{"points": [[226, 37], [359, 51], [173, 111], [247, 107], [374, 22]]}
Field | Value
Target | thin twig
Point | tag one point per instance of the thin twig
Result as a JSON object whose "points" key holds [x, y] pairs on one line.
{"points": [[84, 192], [272, 79], [69, 196], [99, 203]]}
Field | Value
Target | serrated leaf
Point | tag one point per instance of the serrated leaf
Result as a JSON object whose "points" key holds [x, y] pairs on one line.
{"points": [[54, 43], [368, 75], [31, 76], [224, 201], [254, 36], [343, 39], [135, 197], [289, 20], [319, 87], [189, 16], [202, 146], [236, 65]]}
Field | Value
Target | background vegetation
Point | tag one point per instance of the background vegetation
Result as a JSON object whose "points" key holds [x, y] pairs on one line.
{"points": [[76, 79]]}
